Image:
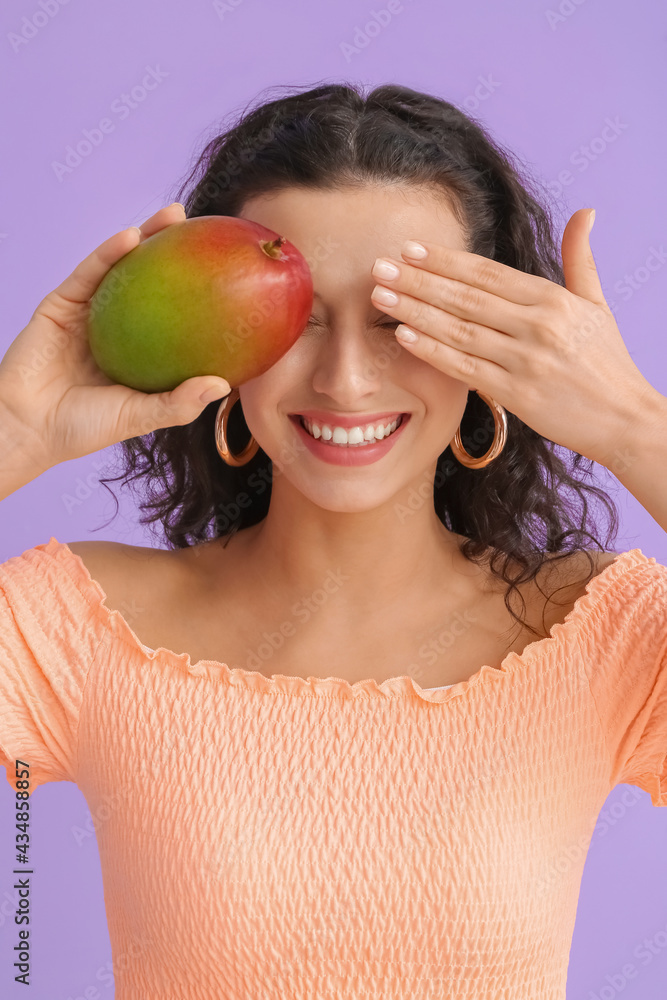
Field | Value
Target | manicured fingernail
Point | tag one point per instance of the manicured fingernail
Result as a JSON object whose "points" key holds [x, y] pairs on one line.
{"points": [[406, 334], [177, 203], [384, 295], [412, 249], [385, 269], [214, 392], [591, 220]]}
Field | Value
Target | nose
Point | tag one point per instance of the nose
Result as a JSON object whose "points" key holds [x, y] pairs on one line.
{"points": [[351, 363]]}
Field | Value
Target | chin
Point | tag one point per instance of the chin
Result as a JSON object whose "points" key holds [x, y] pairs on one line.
{"points": [[345, 497]]}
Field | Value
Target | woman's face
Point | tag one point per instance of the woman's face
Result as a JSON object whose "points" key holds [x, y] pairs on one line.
{"points": [[347, 362]]}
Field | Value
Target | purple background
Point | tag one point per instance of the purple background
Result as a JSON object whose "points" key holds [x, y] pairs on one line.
{"points": [[555, 74]]}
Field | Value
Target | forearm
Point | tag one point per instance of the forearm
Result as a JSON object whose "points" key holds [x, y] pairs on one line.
{"points": [[639, 462], [18, 465]]}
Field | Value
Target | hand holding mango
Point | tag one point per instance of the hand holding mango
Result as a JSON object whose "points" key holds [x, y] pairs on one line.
{"points": [[214, 295]]}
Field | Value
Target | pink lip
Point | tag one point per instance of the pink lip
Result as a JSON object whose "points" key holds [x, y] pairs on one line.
{"points": [[346, 419], [350, 456]]}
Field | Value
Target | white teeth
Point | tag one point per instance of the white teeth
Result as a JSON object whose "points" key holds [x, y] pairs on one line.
{"points": [[354, 436]]}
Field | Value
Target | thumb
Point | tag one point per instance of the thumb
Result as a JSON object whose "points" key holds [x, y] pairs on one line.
{"points": [[207, 391], [579, 270], [183, 404]]}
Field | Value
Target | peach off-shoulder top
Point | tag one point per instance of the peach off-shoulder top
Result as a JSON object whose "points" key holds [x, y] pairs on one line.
{"points": [[283, 839]]}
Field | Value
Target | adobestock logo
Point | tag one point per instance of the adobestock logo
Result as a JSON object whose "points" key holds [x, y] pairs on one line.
{"points": [[31, 26], [302, 610], [485, 87], [222, 7], [588, 153], [122, 106], [364, 34], [225, 177], [565, 9], [631, 282]]}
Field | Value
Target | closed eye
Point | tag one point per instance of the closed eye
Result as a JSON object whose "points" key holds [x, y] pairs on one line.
{"points": [[316, 323]]}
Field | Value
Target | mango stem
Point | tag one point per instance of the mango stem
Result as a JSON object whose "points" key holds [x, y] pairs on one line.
{"points": [[272, 247]]}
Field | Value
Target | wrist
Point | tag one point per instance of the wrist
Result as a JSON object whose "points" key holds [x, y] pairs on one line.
{"points": [[21, 456], [643, 429]]}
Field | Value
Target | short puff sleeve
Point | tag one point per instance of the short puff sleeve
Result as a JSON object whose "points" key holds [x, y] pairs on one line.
{"points": [[48, 642], [626, 663]]}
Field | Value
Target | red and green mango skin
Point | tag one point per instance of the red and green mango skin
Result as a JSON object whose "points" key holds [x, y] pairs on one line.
{"points": [[200, 297]]}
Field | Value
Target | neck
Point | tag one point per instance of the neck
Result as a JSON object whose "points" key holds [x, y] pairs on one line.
{"points": [[396, 555]]}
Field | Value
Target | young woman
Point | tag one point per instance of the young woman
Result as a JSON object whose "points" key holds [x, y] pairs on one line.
{"points": [[324, 754]]}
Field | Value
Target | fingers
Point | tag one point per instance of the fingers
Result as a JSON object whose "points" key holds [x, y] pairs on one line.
{"points": [[182, 405], [81, 284], [165, 217]]}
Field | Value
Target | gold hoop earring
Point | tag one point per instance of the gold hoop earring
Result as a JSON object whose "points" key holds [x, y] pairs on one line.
{"points": [[464, 457], [499, 437], [221, 421]]}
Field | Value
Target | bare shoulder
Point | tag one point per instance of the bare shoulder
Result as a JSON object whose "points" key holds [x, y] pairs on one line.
{"points": [[602, 560], [578, 564], [565, 580], [107, 556], [122, 569], [125, 572]]}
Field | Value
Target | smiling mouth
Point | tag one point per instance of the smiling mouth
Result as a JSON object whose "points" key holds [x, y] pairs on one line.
{"points": [[338, 441]]}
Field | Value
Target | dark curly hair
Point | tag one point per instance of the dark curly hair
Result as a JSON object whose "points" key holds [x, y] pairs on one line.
{"points": [[529, 501]]}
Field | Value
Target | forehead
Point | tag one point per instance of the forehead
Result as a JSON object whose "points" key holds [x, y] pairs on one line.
{"points": [[341, 232]]}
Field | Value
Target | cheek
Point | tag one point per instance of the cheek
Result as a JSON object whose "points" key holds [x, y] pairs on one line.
{"points": [[424, 381], [440, 399], [280, 379], [264, 398], [258, 401]]}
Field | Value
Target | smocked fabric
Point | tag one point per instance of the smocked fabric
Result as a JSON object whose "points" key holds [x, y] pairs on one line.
{"points": [[278, 837]]}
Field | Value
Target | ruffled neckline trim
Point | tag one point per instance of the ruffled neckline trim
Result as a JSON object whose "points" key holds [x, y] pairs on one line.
{"points": [[394, 687]]}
